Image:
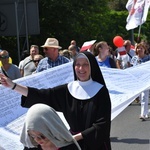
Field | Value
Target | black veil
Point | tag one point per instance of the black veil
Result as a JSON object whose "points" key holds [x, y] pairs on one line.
{"points": [[96, 73]]}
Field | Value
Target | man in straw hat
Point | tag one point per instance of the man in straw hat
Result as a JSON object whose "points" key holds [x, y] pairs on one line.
{"points": [[52, 59]]}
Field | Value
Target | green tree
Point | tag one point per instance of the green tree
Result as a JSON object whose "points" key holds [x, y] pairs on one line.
{"points": [[80, 20], [67, 20], [118, 5]]}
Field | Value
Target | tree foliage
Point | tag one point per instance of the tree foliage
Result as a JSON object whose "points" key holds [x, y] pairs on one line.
{"points": [[67, 19], [80, 20], [117, 5]]}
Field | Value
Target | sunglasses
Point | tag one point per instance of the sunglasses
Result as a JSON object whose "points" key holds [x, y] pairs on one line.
{"points": [[39, 137], [4, 57], [45, 48], [36, 61]]}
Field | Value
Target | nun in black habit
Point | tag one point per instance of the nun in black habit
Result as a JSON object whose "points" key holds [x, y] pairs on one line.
{"points": [[85, 103]]}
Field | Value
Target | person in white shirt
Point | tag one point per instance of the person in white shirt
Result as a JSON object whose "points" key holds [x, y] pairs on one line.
{"points": [[129, 50]]}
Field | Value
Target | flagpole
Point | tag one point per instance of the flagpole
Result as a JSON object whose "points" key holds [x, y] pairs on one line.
{"points": [[137, 18], [138, 38], [132, 36]]}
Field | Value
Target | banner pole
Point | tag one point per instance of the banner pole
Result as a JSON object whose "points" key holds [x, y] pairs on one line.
{"points": [[138, 38], [132, 36]]}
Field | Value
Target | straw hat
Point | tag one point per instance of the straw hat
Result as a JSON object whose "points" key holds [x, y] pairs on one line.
{"points": [[52, 42]]}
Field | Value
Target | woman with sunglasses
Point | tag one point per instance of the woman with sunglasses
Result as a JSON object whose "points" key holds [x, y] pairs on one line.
{"points": [[85, 102], [36, 60], [44, 130]]}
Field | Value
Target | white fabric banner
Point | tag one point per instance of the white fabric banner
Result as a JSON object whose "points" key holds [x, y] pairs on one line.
{"points": [[124, 86], [138, 11]]}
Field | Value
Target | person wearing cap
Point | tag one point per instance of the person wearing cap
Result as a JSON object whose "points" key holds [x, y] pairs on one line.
{"points": [[9, 69], [52, 59], [85, 102]]}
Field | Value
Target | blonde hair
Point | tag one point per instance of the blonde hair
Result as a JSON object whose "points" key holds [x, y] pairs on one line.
{"points": [[40, 56]]}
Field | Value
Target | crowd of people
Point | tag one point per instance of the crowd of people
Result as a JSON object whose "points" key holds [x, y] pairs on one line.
{"points": [[88, 114]]}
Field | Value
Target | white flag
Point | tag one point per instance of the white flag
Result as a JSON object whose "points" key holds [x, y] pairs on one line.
{"points": [[87, 45], [138, 11]]}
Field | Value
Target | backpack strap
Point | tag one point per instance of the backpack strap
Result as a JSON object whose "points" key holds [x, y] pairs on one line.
{"points": [[27, 63], [129, 55], [22, 72], [4, 72]]}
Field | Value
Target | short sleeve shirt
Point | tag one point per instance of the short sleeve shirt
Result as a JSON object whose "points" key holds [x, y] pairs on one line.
{"points": [[124, 59], [47, 63]]}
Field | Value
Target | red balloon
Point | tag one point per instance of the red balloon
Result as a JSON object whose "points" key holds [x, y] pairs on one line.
{"points": [[118, 41]]}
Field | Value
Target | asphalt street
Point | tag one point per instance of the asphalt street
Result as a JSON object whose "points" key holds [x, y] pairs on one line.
{"points": [[128, 132]]}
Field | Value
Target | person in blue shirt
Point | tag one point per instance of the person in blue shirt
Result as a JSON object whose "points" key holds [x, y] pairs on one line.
{"points": [[52, 59], [103, 58]]}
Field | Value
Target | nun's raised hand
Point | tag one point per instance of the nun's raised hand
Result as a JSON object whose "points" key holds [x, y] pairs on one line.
{"points": [[5, 81]]}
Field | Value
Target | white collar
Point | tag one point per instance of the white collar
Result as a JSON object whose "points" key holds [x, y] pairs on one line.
{"points": [[84, 90]]}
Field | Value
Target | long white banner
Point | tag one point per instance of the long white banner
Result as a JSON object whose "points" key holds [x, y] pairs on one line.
{"points": [[123, 85]]}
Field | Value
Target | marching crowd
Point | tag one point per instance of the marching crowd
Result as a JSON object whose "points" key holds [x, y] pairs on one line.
{"points": [[86, 133]]}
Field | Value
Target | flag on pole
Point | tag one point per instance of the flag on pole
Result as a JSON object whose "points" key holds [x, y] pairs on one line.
{"points": [[138, 11], [87, 45]]}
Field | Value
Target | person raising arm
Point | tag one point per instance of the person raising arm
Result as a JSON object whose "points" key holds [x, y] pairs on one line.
{"points": [[5, 81], [84, 102]]}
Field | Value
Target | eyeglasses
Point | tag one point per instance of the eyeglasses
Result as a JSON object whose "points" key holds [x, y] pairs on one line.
{"points": [[4, 57], [39, 137], [82, 65], [36, 61]]}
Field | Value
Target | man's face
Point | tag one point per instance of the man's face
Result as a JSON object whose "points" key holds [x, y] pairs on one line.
{"points": [[73, 42], [49, 51], [4, 57], [34, 51]]}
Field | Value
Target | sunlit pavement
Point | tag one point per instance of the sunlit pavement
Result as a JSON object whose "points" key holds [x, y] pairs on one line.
{"points": [[128, 132]]}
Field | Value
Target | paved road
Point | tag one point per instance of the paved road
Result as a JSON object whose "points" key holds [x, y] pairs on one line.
{"points": [[128, 132]]}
